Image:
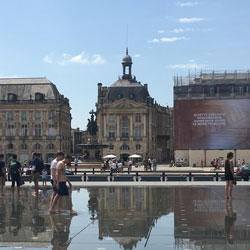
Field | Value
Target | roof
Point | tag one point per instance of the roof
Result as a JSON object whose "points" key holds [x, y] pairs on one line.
{"points": [[126, 83], [26, 88]]}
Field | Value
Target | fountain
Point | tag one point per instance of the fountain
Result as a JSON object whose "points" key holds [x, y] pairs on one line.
{"points": [[92, 150]]}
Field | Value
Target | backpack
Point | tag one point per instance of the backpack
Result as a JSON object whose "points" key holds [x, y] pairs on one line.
{"points": [[14, 168]]}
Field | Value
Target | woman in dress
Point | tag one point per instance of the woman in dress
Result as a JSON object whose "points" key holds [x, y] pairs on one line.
{"points": [[229, 175]]}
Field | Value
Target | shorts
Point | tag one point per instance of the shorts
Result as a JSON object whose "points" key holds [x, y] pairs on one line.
{"points": [[2, 180], [15, 178], [63, 189], [53, 186], [36, 177], [44, 178]]}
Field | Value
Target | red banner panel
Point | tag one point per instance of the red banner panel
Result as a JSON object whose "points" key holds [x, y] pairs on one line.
{"points": [[212, 124]]}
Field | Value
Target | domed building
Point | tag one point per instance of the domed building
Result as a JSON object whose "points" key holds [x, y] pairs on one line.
{"points": [[130, 121]]}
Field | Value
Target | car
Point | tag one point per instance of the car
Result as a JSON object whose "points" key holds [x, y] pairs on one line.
{"points": [[180, 162], [244, 171]]}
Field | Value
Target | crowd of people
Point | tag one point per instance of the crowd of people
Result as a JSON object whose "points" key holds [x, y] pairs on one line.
{"points": [[14, 171]]}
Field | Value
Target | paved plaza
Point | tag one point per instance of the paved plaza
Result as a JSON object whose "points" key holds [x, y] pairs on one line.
{"points": [[128, 217]]}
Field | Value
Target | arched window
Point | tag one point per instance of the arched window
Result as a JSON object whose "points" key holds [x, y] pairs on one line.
{"points": [[23, 146], [10, 146], [138, 146], [124, 130], [39, 96], [12, 97], [111, 132], [124, 147]]}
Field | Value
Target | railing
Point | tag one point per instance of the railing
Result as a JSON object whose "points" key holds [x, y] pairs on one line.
{"points": [[50, 137]]}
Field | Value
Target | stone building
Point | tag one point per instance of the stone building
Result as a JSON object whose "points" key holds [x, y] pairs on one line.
{"points": [[34, 116], [130, 121], [212, 117]]}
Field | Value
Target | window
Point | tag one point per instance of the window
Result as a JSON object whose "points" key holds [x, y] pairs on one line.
{"points": [[138, 146], [138, 118], [111, 132], [10, 146], [39, 96], [138, 132], [24, 146], [37, 115], [111, 146], [38, 130], [111, 118], [11, 131], [12, 97], [125, 130], [23, 116], [51, 130], [124, 147], [51, 146], [24, 130], [37, 146], [10, 116], [124, 118], [51, 115]]}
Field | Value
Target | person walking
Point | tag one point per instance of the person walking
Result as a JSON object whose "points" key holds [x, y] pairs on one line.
{"points": [[37, 167], [62, 189], [59, 157], [76, 163], [229, 175], [15, 169], [44, 177], [154, 164], [2, 174]]}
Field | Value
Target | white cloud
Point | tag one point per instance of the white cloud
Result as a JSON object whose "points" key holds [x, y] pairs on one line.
{"points": [[178, 31], [191, 20], [48, 59], [137, 55], [97, 59], [172, 39], [155, 40], [82, 58], [187, 4], [161, 31], [192, 64]]}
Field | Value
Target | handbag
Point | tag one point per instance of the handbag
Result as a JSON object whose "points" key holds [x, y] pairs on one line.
{"points": [[235, 182]]}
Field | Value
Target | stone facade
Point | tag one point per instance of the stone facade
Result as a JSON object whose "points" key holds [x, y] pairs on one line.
{"points": [[34, 116], [130, 121]]}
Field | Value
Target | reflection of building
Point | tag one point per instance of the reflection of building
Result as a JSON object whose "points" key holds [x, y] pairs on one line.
{"points": [[128, 213], [212, 117], [200, 219], [130, 121], [34, 116]]}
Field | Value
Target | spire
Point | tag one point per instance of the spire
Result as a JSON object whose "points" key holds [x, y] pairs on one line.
{"points": [[127, 51]]}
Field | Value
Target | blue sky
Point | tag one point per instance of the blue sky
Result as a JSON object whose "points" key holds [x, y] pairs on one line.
{"points": [[78, 43]]}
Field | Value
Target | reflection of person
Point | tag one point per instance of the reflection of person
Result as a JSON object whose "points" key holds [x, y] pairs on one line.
{"points": [[230, 219], [2, 215], [2, 174], [229, 175], [61, 229], [16, 217], [15, 169]]}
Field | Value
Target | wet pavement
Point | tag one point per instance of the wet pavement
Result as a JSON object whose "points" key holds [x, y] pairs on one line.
{"points": [[128, 218]]}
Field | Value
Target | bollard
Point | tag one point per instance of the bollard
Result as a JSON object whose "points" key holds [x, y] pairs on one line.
{"points": [[136, 176], [93, 170], [190, 176], [217, 176], [110, 178], [85, 176], [163, 176]]}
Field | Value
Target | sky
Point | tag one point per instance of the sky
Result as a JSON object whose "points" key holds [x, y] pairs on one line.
{"points": [[79, 43]]}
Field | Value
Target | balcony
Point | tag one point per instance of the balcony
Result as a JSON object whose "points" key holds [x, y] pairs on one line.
{"points": [[37, 137], [23, 137], [138, 138], [123, 138], [10, 137], [51, 137], [111, 138]]}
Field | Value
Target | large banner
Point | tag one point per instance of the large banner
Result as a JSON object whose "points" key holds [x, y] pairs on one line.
{"points": [[212, 124]]}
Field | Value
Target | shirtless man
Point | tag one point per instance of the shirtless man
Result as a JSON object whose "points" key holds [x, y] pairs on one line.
{"points": [[59, 157], [62, 189]]}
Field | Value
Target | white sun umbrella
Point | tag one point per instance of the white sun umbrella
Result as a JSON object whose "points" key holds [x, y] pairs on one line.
{"points": [[109, 157], [135, 156]]}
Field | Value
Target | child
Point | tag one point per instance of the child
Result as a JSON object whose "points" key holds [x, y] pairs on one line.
{"points": [[44, 176]]}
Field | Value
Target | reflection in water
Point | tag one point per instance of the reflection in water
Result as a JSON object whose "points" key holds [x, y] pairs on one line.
{"points": [[127, 214], [230, 219], [61, 229], [132, 216]]}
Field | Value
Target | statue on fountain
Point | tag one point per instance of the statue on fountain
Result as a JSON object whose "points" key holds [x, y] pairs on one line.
{"points": [[92, 125]]}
